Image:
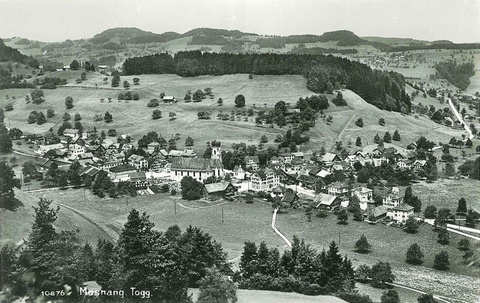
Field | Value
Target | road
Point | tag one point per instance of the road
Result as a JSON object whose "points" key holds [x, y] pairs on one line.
{"points": [[454, 230], [274, 219]]}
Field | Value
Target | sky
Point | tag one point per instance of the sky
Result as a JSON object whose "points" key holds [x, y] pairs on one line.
{"points": [[58, 20]]}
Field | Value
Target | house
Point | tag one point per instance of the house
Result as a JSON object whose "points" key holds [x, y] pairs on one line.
{"points": [[365, 195], [138, 179], [138, 162], [43, 149], [377, 213], [121, 172], [287, 157], [418, 165], [330, 158], [169, 99], [219, 190], [264, 180], [400, 213], [337, 188], [326, 201], [75, 150], [90, 171], [153, 147], [277, 163], [307, 181], [70, 132], [404, 164], [187, 153], [197, 168], [291, 198], [238, 173], [252, 163], [393, 198]]}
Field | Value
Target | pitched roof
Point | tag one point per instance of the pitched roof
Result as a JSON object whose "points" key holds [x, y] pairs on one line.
{"points": [[329, 157], [252, 158], [403, 207], [324, 199], [379, 211], [289, 197], [122, 168], [196, 164], [137, 176], [262, 173], [216, 187]]}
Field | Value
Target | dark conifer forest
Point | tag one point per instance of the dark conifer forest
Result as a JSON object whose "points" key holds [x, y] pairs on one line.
{"points": [[386, 90]]}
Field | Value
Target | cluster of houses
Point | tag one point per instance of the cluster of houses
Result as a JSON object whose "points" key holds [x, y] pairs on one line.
{"points": [[301, 169]]}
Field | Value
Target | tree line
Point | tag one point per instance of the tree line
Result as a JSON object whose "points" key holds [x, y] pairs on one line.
{"points": [[163, 263], [385, 90]]}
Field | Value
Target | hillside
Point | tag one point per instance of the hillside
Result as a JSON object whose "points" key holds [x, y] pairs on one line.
{"points": [[11, 54]]}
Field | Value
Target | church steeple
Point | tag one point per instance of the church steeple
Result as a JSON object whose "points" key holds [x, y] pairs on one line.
{"points": [[216, 150]]}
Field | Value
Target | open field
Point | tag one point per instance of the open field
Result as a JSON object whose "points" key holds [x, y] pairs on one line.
{"points": [[251, 222], [262, 92]]}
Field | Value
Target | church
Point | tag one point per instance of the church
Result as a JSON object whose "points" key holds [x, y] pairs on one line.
{"points": [[198, 168]]}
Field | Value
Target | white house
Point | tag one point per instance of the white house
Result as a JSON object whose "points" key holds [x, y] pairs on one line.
{"points": [[264, 180], [43, 149], [337, 189], [400, 213], [393, 199], [138, 162], [365, 195], [238, 173]]}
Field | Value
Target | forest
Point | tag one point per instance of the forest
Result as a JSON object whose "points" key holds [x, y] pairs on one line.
{"points": [[386, 90], [458, 75]]}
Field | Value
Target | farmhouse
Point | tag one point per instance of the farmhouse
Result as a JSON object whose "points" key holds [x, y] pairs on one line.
{"points": [[219, 190], [326, 201], [138, 162], [138, 179], [400, 213], [264, 180], [70, 132], [187, 153], [377, 213], [252, 162], [330, 158], [169, 99], [337, 188], [197, 168], [121, 172], [43, 149]]}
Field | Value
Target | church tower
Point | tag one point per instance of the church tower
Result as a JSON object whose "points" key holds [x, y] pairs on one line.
{"points": [[216, 150]]}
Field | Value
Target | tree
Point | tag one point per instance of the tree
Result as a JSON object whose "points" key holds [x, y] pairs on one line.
{"points": [[135, 96], [358, 142], [376, 139], [411, 225], [462, 206], [37, 96], [136, 81], [248, 260], [77, 117], [83, 76], [414, 255], [69, 102], [50, 113], [387, 138], [115, 80], [189, 141], [426, 298], [127, 96], [382, 274], [430, 212], [363, 175], [126, 85], [66, 117], [191, 188], [220, 102], [449, 169], [74, 65], [390, 296], [172, 115], [443, 236], [264, 139], [41, 118], [363, 273], [441, 261], [471, 218], [381, 121], [342, 216], [157, 114], [339, 101], [239, 101], [108, 117], [362, 246], [9, 107], [359, 122], [469, 143], [464, 244], [7, 183], [214, 287]]}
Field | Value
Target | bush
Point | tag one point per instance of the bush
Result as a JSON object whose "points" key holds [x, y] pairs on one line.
{"points": [[359, 122], [355, 298]]}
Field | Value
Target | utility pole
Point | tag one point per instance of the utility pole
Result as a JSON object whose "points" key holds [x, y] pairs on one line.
{"points": [[222, 216], [175, 207]]}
